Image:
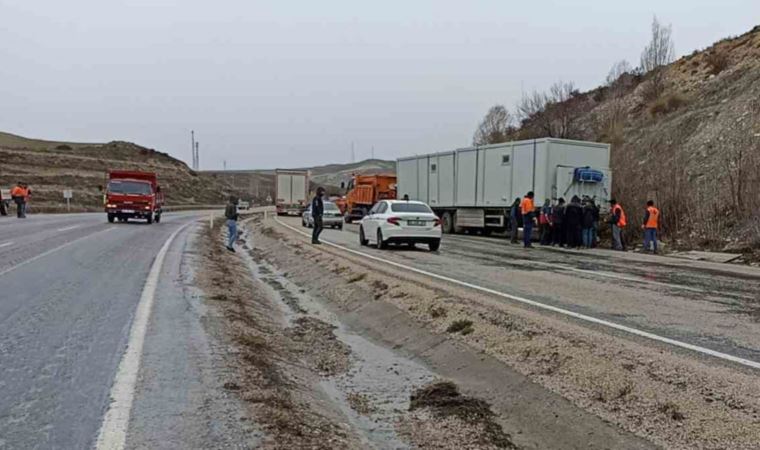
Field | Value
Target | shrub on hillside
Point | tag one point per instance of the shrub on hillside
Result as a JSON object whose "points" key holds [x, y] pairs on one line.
{"points": [[717, 61], [667, 103]]}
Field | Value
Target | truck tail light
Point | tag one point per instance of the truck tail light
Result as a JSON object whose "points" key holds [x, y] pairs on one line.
{"points": [[147, 207], [394, 220], [437, 222], [110, 205]]}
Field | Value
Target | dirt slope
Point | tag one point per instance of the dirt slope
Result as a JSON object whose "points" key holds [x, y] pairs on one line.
{"points": [[695, 149], [49, 167]]}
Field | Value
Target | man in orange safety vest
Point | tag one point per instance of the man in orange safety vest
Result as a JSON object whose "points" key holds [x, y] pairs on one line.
{"points": [[618, 222], [650, 225]]}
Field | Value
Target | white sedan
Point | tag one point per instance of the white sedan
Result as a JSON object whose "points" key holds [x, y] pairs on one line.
{"points": [[400, 222]]}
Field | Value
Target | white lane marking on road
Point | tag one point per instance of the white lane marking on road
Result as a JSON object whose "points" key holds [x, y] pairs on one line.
{"points": [[50, 252], [113, 430], [67, 228], [5, 244], [579, 316]]}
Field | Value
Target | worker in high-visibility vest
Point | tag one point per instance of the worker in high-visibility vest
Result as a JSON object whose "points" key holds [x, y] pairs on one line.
{"points": [[18, 194], [618, 222], [650, 225], [527, 208]]}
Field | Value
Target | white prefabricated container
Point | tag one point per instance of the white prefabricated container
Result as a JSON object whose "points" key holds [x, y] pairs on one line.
{"points": [[292, 191], [473, 187]]}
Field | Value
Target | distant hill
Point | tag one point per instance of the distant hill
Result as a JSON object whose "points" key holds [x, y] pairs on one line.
{"points": [[49, 167]]}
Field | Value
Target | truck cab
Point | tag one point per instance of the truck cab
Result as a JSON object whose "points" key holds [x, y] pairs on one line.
{"points": [[133, 195]]}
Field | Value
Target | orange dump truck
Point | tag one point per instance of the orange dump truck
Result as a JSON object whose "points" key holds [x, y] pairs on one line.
{"points": [[366, 190]]}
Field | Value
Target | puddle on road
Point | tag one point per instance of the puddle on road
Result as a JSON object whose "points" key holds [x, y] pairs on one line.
{"points": [[375, 391]]}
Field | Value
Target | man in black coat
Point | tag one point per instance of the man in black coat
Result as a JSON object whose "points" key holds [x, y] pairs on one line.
{"points": [[317, 210], [573, 222]]}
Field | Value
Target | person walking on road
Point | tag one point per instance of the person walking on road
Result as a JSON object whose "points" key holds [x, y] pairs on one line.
{"points": [[589, 212], [18, 194], [3, 210], [231, 214], [545, 222], [317, 210], [527, 208], [574, 222], [558, 219], [27, 197], [650, 225], [514, 219], [618, 222]]}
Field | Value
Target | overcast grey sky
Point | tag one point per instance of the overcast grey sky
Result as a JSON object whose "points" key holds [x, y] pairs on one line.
{"points": [[283, 83]]}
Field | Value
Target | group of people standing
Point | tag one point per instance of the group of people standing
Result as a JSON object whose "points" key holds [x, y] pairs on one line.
{"points": [[20, 195], [576, 224]]}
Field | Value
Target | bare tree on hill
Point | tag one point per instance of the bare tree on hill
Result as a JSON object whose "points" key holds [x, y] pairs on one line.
{"points": [[496, 127], [657, 54], [551, 112]]}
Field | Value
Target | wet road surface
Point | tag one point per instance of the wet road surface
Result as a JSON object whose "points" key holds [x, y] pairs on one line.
{"points": [[716, 306]]}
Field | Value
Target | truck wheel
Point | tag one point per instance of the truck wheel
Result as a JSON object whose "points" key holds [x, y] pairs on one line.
{"points": [[110, 218], [347, 219], [448, 223], [362, 239], [150, 219], [380, 244], [486, 231]]}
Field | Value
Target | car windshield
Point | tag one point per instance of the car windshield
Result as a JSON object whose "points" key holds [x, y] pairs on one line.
{"points": [[331, 207], [129, 187], [410, 208]]}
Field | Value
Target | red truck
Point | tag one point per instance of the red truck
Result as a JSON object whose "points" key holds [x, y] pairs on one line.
{"points": [[131, 194]]}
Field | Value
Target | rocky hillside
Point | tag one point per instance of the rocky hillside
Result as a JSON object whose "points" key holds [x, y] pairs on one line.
{"points": [[50, 167], [694, 148]]}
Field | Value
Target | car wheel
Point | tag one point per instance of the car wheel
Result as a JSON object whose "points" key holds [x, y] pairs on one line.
{"points": [[362, 239], [434, 246], [110, 218], [303, 222], [340, 227], [380, 243]]}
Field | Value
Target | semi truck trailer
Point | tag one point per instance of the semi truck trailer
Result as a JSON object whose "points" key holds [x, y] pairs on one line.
{"points": [[292, 191], [473, 188]]}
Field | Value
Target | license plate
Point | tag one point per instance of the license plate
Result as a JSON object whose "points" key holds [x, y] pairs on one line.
{"points": [[128, 211], [416, 223]]}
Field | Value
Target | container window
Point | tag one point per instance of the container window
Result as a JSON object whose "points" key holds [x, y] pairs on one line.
{"points": [[505, 160], [432, 168]]}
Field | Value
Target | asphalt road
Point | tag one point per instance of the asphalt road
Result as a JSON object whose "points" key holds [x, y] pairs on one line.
{"points": [[711, 305], [69, 289]]}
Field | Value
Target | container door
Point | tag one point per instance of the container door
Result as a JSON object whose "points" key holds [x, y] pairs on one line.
{"points": [[446, 180], [497, 176], [466, 177], [407, 178], [423, 188], [298, 189], [522, 170], [283, 189], [433, 172]]}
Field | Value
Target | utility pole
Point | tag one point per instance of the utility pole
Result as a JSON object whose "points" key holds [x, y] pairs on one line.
{"points": [[192, 147], [197, 157], [224, 164], [353, 152], [373, 152]]}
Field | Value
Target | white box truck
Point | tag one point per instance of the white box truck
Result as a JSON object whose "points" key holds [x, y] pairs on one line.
{"points": [[292, 191], [473, 188]]}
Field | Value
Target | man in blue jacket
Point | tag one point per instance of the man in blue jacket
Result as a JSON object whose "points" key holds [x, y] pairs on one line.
{"points": [[317, 210]]}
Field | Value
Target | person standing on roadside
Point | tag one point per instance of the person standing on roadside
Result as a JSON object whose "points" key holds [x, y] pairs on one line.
{"points": [[558, 232], [27, 197], [574, 222], [514, 219], [545, 222], [650, 225], [618, 222], [231, 214], [528, 210], [317, 210], [17, 195], [588, 223]]}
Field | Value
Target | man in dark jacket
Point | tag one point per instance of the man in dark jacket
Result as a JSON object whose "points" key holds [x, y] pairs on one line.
{"points": [[317, 210], [558, 219], [589, 213], [231, 214], [514, 219], [573, 222]]}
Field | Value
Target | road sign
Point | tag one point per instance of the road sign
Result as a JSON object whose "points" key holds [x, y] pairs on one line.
{"points": [[67, 194]]}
